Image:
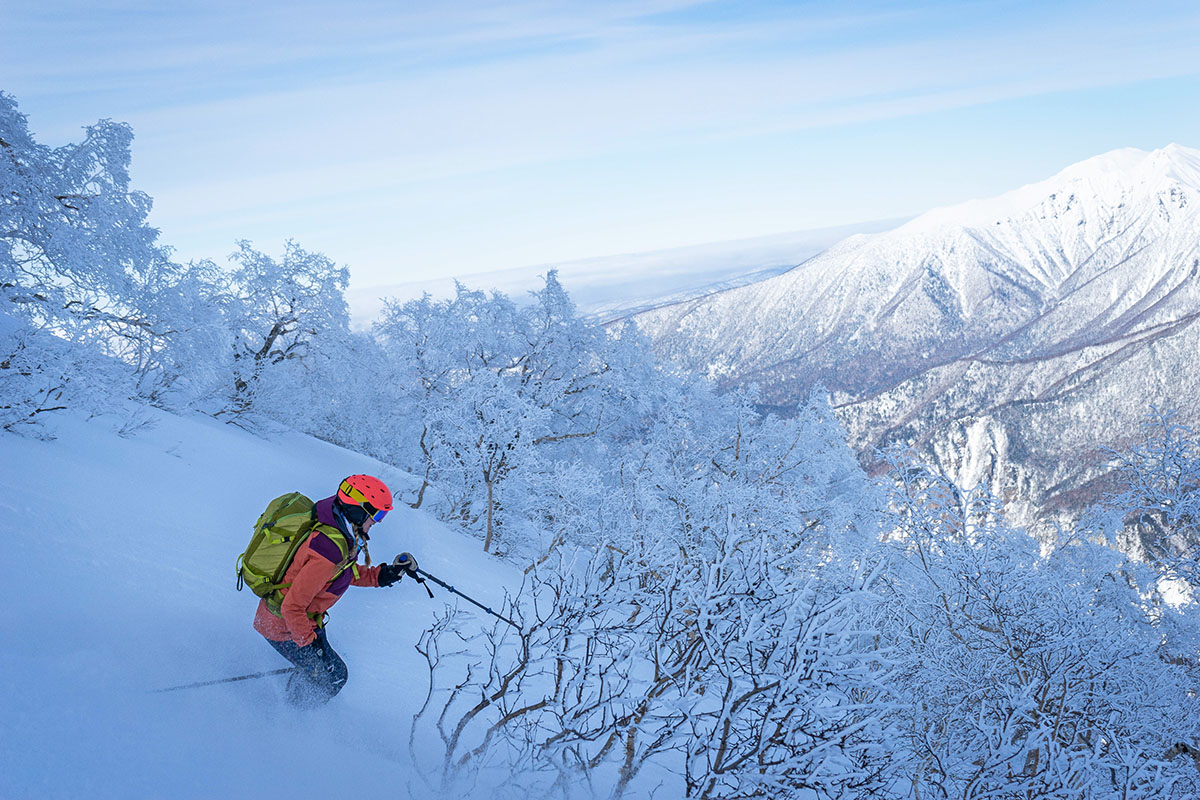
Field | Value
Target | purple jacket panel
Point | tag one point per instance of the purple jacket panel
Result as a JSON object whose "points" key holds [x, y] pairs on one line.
{"points": [[325, 547]]}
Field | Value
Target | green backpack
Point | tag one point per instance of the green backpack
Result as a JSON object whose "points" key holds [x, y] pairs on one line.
{"points": [[278, 534]]}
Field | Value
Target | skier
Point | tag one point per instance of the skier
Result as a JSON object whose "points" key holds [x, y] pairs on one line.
{"points": [[320, 572]]}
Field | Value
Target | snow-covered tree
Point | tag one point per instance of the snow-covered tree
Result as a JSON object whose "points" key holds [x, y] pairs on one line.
{"points": [[1155, 510], [94, 300], [280, 311], [710, 465], [502, 392]]}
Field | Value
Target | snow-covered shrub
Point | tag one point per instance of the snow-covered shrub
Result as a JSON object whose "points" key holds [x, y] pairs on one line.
{"points": [[747, 674], [36, 373], [1023, 674], [1154, 513]]}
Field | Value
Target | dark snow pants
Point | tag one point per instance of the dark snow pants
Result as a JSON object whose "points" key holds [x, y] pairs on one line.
{"points": [[322, 672]]}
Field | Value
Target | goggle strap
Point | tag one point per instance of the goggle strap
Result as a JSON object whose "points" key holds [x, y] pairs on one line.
{"points": [[352, 492]]}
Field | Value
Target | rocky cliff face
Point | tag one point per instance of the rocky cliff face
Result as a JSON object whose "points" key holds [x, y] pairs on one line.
{"points": [[1014, 339]]}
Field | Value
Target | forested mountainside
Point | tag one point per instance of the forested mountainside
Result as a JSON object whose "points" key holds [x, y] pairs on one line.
{"points": [[1015, 338]]}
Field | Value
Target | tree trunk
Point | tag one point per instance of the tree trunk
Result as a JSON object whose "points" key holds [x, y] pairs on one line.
{"points": [[487, 541]]}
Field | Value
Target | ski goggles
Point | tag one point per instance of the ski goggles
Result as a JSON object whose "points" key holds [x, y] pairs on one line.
{"points": [[361, 513]]}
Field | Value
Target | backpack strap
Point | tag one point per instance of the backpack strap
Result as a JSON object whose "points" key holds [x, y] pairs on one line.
{"points": [[349, 558], [349, 553]]}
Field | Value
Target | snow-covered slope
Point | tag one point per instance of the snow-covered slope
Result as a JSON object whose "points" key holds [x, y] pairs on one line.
{"points": [[118, 566], [612, 286], [1014, 337]]}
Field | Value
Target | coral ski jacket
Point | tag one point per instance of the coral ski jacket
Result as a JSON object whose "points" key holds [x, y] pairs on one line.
{"points": [[316, 583]]}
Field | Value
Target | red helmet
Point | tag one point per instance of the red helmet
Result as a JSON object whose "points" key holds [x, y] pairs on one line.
{"points": [[366, 491]]}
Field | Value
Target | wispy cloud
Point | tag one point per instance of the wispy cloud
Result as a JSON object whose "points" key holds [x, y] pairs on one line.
{"points": [[636, 84], [258, 108]]}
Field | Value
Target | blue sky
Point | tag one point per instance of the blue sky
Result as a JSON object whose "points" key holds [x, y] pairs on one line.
{"points": [[414, 140]]}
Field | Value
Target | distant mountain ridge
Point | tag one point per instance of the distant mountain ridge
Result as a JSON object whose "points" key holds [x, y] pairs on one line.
{"points": [[608, 287], [1012, 338]]}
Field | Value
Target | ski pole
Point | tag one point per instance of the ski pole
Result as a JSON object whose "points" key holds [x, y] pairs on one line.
{"points": [[229, 680], [472, 600]]}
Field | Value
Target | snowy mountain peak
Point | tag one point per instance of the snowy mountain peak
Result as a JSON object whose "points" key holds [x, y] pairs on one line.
{"points": [[1109, 180], [991, 328], [1174, 164], [1182, 164]]}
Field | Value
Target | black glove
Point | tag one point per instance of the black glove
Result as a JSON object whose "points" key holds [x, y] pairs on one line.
{"points": [[389, 574]]}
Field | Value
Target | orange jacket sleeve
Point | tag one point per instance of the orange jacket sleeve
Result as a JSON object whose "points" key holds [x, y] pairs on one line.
{"points": [[309, 580], [367, 576]]}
